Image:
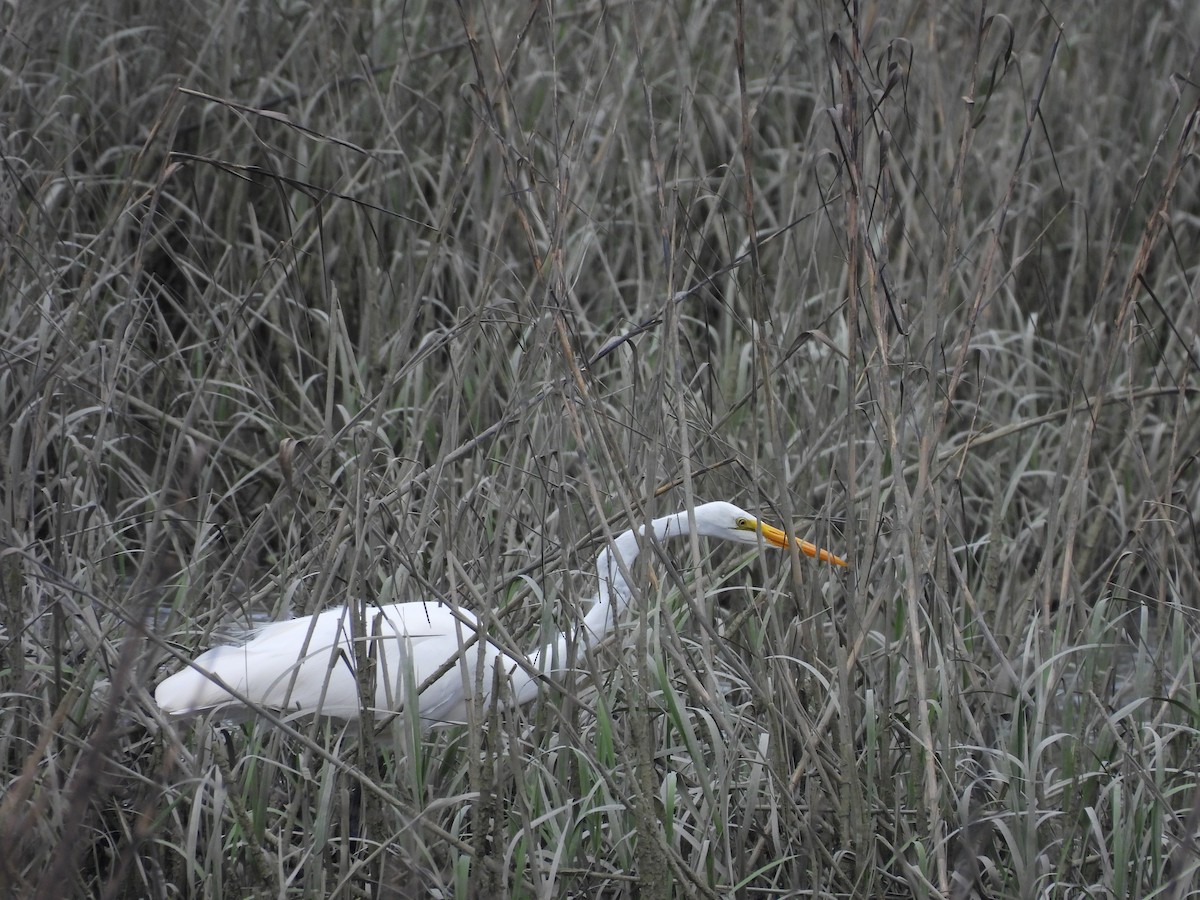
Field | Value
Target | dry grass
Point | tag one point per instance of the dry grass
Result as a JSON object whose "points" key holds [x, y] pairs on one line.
{"points": [[302, 303]]}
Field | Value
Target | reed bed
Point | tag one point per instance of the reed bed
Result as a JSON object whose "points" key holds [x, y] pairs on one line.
{"points": [[303, 303]]}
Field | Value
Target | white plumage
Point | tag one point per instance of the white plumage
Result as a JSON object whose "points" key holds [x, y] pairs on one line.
{"points": [[307, 665]]}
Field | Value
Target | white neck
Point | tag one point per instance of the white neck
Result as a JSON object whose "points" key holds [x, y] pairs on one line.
{"points": [[614, 594]]}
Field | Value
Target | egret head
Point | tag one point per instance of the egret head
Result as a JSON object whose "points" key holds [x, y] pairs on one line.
{"points": [[720, 519]]}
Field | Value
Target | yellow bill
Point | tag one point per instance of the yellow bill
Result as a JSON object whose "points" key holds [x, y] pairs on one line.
{"points": [[777, 538]]}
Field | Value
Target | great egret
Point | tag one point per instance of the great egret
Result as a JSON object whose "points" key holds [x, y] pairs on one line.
{"points": [[307, 665]]}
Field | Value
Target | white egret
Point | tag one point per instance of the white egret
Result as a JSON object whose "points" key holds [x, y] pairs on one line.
{"points": [[307, 665]]}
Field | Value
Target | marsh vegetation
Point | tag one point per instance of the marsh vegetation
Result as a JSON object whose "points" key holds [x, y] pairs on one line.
{"points": [[305, 303]]}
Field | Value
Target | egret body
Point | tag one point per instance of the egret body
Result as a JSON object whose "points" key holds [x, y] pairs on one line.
{"points": [[307, 665]]}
